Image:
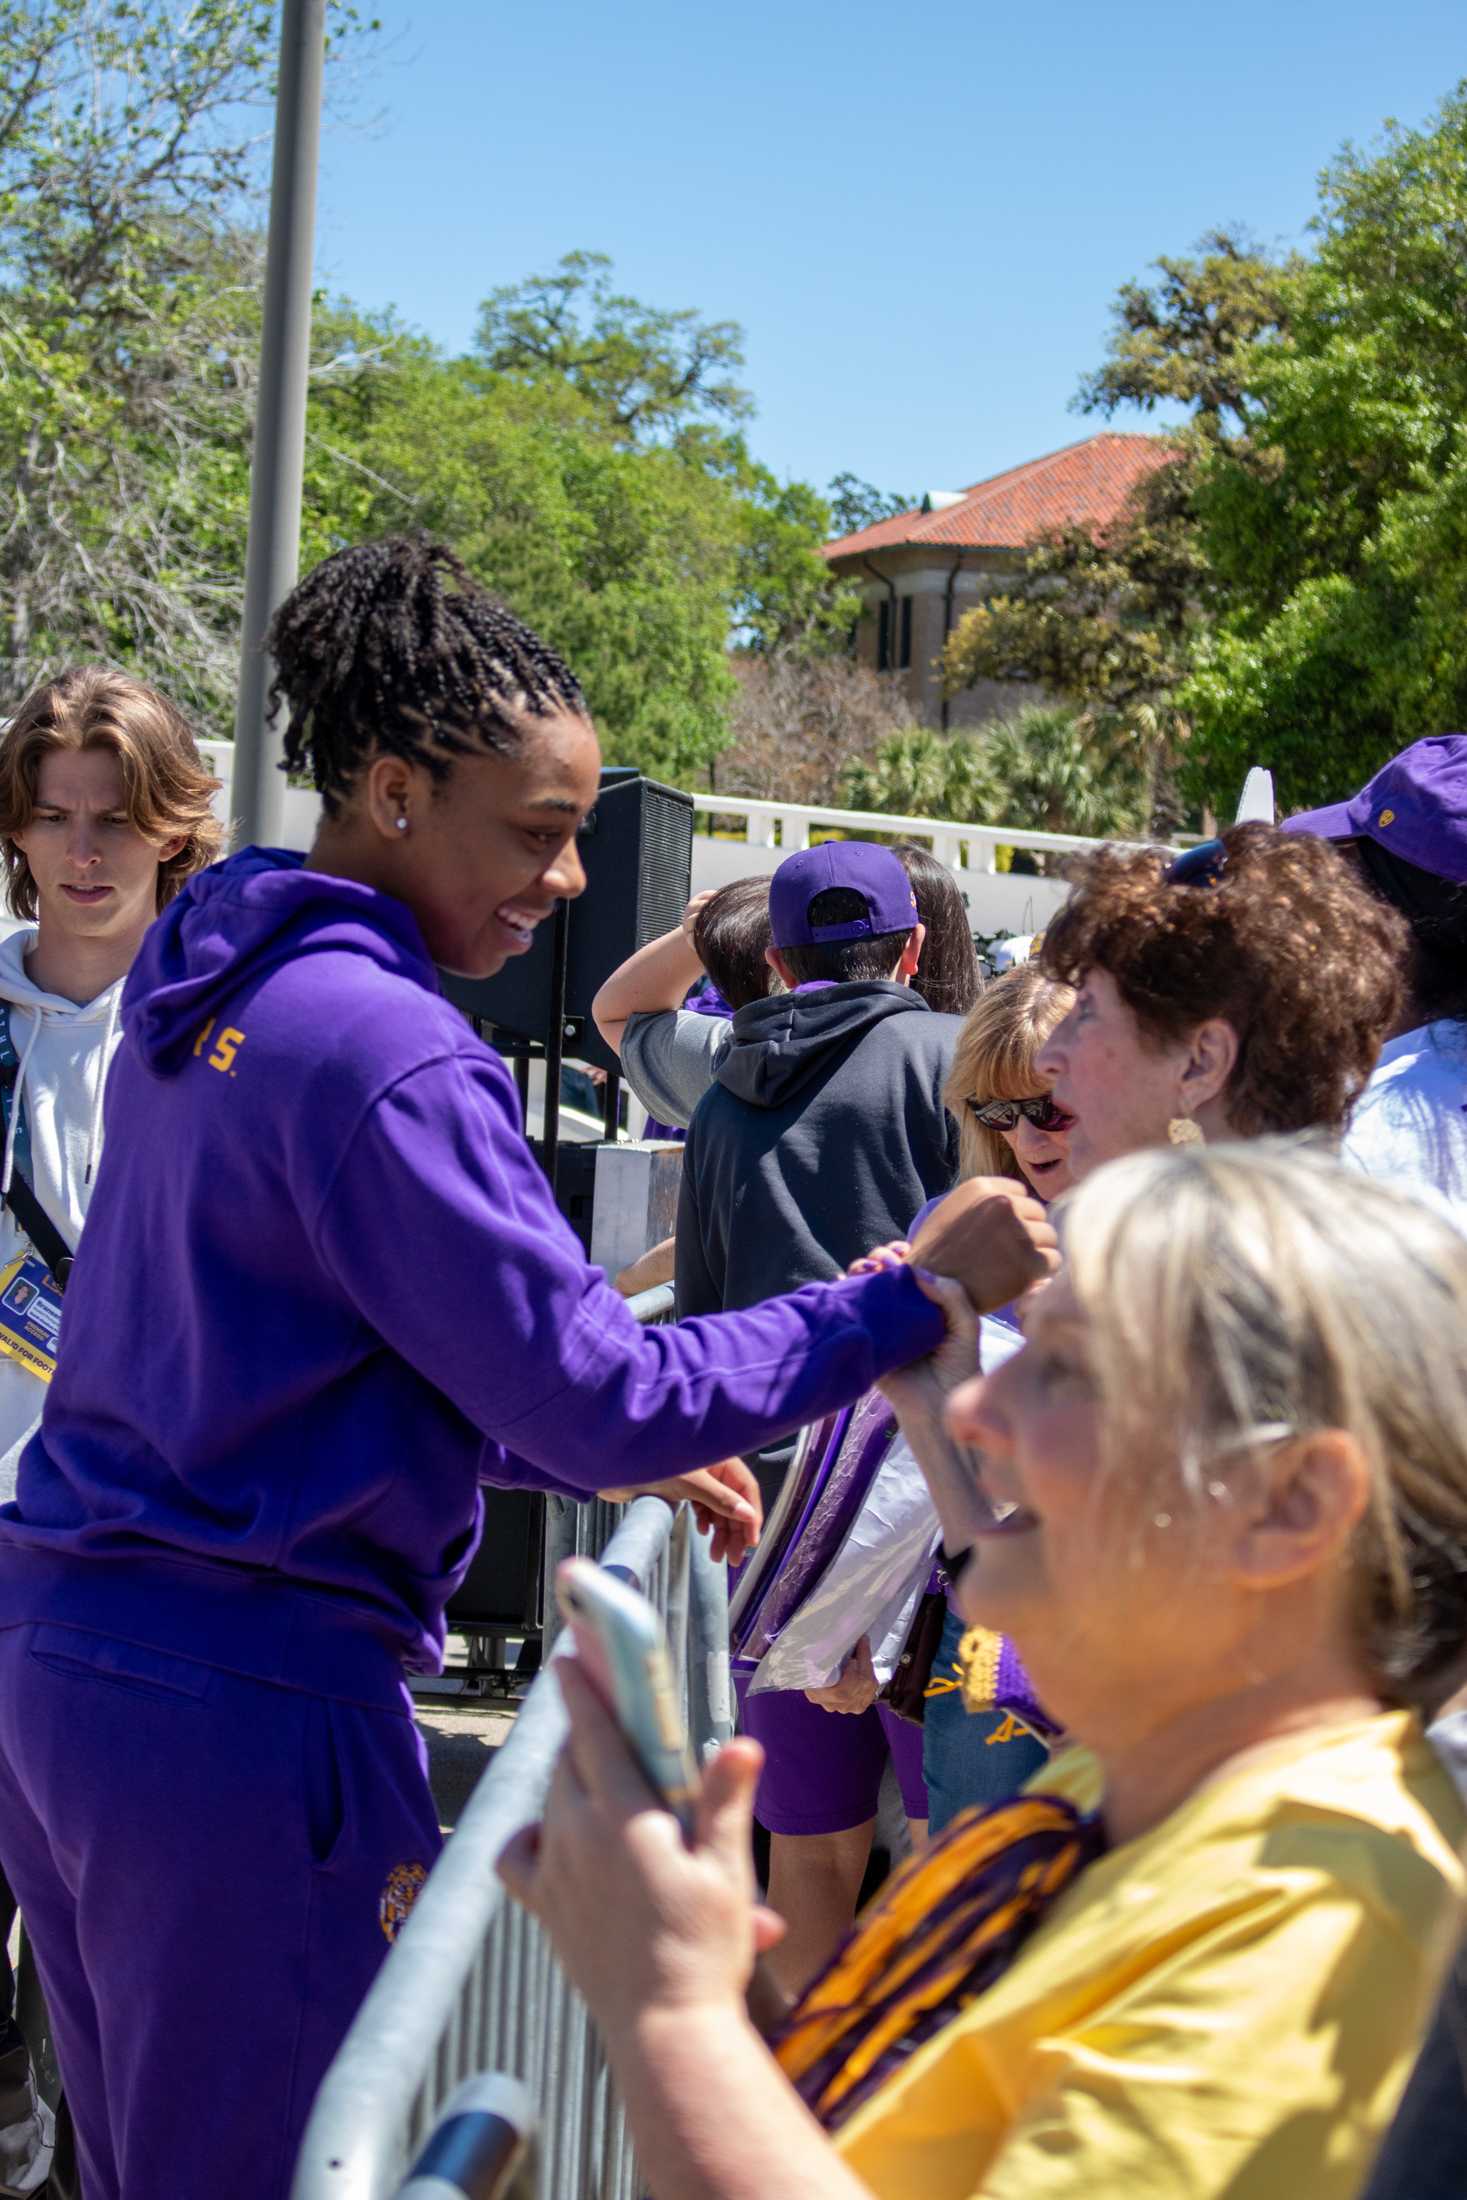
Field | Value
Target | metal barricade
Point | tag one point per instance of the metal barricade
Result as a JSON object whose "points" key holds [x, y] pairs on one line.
{"points": [[471, 1984]]}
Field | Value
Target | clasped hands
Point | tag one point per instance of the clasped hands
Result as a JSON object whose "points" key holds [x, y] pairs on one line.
{"points": [[642, 1920]]}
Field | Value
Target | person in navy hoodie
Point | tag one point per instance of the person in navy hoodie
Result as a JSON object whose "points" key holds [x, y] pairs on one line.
{"points": [[324, 1292]]}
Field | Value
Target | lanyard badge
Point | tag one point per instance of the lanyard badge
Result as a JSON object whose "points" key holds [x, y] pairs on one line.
{"points": [[30, 1301], [30, 1314]]}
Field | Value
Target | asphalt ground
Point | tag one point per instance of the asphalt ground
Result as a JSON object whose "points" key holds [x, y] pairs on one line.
{"points": [[462, 1738]]}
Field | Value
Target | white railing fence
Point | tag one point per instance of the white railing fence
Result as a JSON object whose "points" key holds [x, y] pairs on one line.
{"points": [[998, 901]]}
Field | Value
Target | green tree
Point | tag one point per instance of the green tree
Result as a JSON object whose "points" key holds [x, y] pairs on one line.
{"points": [[129, 150], [1189, 338], [666, 379], [786, 596], [922, 773], [1340, 546], [587, 460], [653, 373], [625, 558], [1109, 623], [1040, 770], [1106, 624], [1050, 776], [855, 504], [1290, 591]]}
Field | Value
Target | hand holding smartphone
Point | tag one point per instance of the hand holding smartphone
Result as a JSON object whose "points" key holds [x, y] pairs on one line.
{"points": [[621, 1642]]}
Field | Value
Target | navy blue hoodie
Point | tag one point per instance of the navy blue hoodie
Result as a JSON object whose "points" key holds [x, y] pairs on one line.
{"points": [[324, 1291], [824, 1131]]}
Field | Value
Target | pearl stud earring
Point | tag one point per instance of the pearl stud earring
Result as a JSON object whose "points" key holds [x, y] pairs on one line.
{"points": [[402, 824]]}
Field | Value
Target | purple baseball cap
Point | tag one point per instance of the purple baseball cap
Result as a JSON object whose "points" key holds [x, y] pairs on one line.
{"points": [[875, 873], [1416, 806]]}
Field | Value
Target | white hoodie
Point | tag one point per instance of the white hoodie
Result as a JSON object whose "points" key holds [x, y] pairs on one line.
{"points": [[65, 1050]]}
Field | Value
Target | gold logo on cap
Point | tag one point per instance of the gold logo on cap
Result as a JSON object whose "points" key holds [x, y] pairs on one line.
{"points": [[1387, 817]]}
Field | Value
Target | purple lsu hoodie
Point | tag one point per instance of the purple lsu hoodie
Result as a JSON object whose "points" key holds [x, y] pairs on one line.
{"points": [[324, 1292]]}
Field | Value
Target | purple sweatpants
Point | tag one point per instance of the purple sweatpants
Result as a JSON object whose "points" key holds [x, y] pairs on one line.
{"points": [[211, 1870], [823, 1769]]}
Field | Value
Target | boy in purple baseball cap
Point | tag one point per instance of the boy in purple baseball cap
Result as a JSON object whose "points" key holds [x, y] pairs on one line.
{"points": [[1408, 830], [822, 1135], [858, 869], [824, 1130]]}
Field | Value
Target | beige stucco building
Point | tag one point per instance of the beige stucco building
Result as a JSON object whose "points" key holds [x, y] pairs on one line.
{"points": [[921, 570]]}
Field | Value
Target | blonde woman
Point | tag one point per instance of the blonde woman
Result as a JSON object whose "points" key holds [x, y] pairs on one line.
{"points": [[1007, 1126], [1223, 1511]]}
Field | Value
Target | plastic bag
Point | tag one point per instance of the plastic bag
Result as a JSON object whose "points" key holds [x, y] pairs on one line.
{"points": [[815, 1456], [869, 1587], [833, 1489]]}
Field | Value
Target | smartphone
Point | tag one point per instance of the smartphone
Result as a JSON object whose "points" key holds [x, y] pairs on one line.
{"points": [[482, 2146], [621, 1642]]}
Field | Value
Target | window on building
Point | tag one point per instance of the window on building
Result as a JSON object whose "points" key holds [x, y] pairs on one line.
{"points": [[904, 654], [883, 635]]}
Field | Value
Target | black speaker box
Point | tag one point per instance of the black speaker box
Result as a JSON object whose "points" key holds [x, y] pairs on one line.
{"points": [[501, 1592], [637, 850]]}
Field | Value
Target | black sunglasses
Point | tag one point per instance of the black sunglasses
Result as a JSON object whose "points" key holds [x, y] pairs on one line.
{"points": [[1003, 1115], [1203, 865]]}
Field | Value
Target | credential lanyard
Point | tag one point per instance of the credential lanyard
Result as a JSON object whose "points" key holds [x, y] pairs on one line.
{"points": [[21, 1197]]}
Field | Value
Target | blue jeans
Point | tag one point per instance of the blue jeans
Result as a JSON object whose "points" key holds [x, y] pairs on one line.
{"points": [[968, 1757]]}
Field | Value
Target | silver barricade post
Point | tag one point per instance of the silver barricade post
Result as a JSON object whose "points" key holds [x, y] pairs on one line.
{"points": [[471, 1984]]}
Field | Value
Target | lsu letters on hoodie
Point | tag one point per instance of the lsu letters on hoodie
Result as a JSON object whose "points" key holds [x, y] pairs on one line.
{"points": [[65, 1048], [324, 1291]]}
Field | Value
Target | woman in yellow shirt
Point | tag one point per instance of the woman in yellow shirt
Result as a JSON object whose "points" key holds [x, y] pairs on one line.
{"points": [[1223, 1512]]}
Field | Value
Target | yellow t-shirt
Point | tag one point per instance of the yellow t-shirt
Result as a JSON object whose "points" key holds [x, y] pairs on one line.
{"points": [[1224, 2009]]}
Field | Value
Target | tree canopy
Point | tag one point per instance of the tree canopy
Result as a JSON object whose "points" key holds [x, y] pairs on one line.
{"points": [[1289, 591], [647, 371], [1037, 768], [1338, 536], [588, 458]]}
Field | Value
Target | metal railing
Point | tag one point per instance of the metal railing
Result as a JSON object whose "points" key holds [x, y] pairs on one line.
{"points": [[962, 846], [472, 1983], [998, 901]]}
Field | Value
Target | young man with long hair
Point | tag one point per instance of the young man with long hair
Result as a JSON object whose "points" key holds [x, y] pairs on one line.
{"points": [[104, 812]]}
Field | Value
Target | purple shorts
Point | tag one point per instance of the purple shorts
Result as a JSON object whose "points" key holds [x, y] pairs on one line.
{"points": [[823, 1769]]}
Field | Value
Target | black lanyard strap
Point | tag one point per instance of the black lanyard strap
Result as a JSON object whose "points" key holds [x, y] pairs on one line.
{"points": [[40, 1229], [21, 1199]]}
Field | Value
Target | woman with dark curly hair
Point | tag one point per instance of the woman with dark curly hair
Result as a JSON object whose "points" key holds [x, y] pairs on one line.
{"points": [[1244, 987]]}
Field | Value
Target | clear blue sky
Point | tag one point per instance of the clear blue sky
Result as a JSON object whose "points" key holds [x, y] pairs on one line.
{"points": [[919, 214]]}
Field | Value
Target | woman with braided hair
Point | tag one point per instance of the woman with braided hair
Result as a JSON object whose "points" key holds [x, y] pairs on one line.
{"points": [[324, 1295]]}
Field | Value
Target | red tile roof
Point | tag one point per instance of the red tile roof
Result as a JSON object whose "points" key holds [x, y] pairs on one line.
{"points": [[1086, 482]]}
